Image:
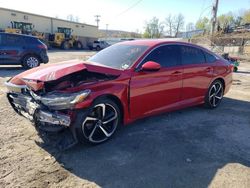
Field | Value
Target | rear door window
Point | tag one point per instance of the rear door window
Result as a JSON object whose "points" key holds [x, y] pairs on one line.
{"points": [[13, 40], [166, 56], [191, 55]]}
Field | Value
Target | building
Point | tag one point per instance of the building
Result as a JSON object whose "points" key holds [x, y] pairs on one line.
{"points": [[86, 33], [190, 34]]}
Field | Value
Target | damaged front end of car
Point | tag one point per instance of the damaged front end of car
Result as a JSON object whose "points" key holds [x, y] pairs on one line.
{"points": [[51, 105]]}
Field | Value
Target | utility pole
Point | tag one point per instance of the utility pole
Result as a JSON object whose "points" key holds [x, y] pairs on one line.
{"points": [[214, 18], [107, 25], [97, 19]]}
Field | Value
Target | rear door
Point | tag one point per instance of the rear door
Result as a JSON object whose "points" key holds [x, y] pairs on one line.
{"points": [[197, 74], [11, 49], [154, 91]]}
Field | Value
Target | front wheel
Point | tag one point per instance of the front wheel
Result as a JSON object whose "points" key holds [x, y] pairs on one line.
{"points": [[98, 48], [65, 45], [99, 123], [78, 45], [214, 95]]}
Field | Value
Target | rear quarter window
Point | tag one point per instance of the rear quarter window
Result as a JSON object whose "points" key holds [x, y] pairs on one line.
{"points": [[31, 40], [209, 57]]}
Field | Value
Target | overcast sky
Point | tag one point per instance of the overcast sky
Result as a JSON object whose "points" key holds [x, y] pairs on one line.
{"points": [[128, 15]]}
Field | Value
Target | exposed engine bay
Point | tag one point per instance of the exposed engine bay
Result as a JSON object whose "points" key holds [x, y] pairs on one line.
{"points": [[76, 79]]}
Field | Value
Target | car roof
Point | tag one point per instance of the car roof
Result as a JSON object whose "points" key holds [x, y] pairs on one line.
{"points": [[151, 43], [154, 42], [16, 34]]}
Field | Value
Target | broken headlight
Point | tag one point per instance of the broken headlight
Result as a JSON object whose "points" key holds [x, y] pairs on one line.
{"points": [[59, 100]]}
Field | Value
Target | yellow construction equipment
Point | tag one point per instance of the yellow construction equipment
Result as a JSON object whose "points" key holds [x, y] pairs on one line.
{"points": [[64, 39], [24, 28], [11, 30]]}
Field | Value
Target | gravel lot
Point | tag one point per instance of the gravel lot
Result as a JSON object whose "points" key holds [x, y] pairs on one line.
{"points": [[194, 147]]}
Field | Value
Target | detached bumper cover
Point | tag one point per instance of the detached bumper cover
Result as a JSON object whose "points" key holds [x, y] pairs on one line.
{"points": [[26, 106]]}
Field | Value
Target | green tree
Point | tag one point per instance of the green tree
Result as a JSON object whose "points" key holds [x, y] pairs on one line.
{"points": [[225, 20], [246, 17], [237, 21], [153, 29], [203, 23]]}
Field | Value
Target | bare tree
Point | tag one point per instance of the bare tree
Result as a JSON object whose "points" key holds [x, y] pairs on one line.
{"points": [[70, 17], [73, 18], [169, 21], [174, 24], [179, 23], [153, 28]]}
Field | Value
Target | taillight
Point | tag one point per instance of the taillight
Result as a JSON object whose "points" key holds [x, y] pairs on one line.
{"points": [[42, 46], [231, 67]]}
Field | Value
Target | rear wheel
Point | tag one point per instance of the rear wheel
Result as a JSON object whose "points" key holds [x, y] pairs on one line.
{"points": [[235, 69], [30, 61], [214, 94], [99, 123], [98, 48], [65, 45], [78, 45]]}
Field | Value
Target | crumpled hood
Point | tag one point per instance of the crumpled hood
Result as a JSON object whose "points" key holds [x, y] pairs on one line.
{"points": [[36, 77]]}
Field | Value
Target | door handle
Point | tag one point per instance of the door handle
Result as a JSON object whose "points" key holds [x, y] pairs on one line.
{"points": [[208, 69], [176, 72]]}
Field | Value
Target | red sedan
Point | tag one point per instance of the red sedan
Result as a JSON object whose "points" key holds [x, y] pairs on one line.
{"points": [[122, 83]]}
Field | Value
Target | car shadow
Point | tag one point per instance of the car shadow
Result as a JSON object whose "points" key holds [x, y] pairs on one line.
{"points": [[243, 72], [185, 148], [9, 71]]}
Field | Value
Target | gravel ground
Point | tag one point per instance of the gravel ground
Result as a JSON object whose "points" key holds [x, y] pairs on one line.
{"points": [[194, 147]]}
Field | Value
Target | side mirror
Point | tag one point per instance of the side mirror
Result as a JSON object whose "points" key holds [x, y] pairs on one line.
{"points": [[150, 66]]}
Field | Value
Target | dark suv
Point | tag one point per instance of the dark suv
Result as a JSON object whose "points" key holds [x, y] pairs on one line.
{"points": [[25, 50]]}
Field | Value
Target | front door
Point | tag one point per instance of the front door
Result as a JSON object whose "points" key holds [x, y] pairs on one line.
{"points": [[154, 91]]}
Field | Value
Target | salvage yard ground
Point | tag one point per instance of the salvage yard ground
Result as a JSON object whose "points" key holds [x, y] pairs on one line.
{"points": [[194, 147]]}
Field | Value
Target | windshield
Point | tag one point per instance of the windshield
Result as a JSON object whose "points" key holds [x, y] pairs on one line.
{"points": [[119, 56]]}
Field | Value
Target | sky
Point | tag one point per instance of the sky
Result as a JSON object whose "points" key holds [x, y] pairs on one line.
{"points": [[128, 15]]}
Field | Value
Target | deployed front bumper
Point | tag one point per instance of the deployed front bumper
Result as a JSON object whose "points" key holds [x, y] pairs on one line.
{"points": [[26, 106]]}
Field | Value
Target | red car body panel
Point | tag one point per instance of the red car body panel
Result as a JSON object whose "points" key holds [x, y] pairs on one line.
{"points": [[154, 91], [50, 72], [140, 93]]}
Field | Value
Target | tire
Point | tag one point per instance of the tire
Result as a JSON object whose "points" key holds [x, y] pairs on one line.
{"points": [[214, 94], [65, 45], [30, 61], [98, 48], [78, 45], [96, 126]]}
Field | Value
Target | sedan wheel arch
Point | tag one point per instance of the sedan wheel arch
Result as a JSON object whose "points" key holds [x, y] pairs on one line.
{"points": [[87, 124]]}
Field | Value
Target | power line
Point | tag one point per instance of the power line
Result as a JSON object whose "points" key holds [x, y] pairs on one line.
{"points": [[132, 6]]}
